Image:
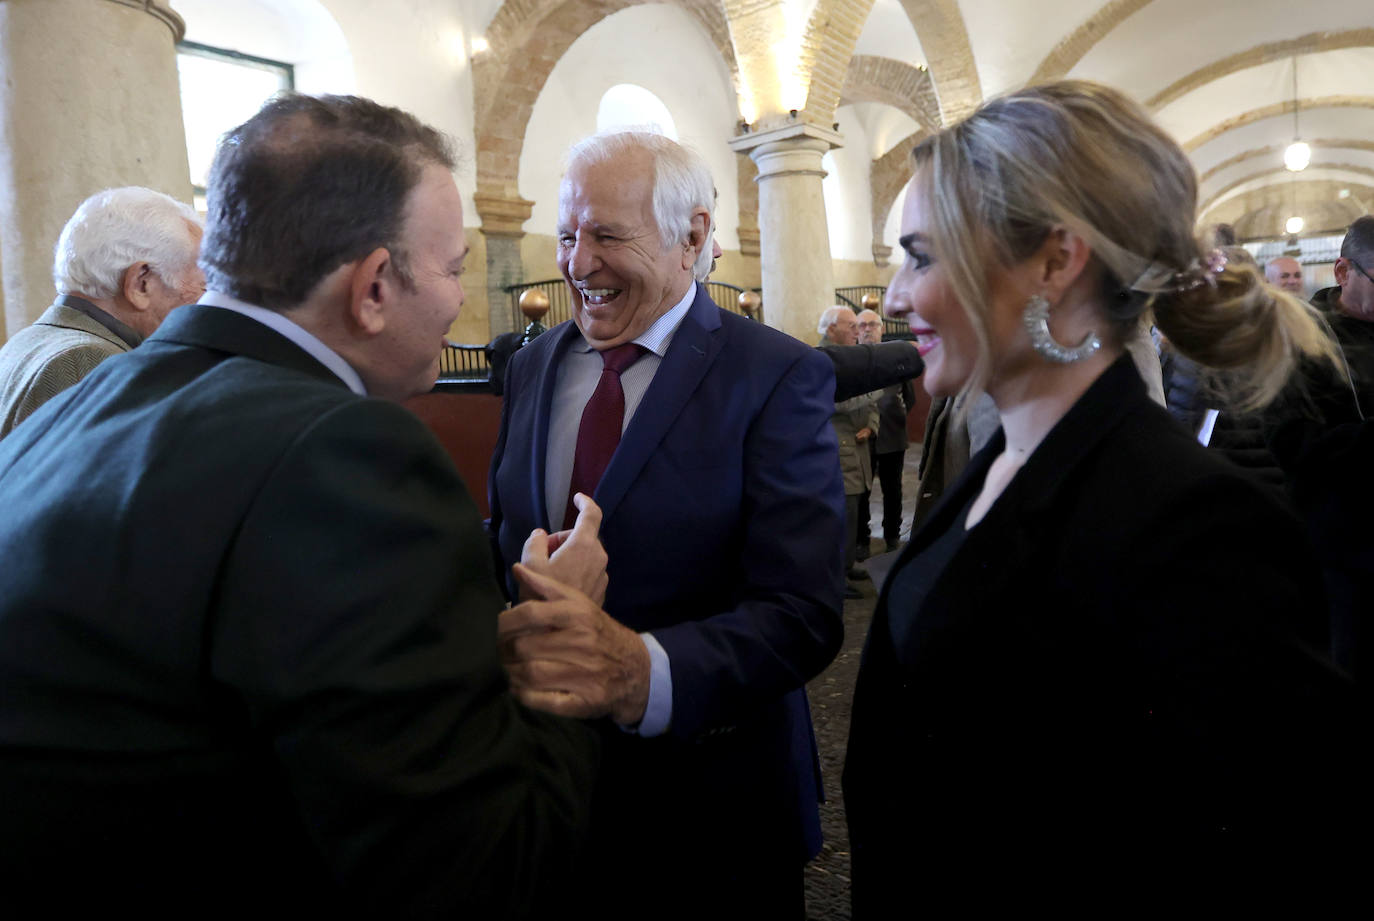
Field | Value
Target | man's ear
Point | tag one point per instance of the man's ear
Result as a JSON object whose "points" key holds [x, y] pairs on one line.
{"points": [[1341, 270], [698, 235], [371, 289], [1065, 256], [137, 285]]}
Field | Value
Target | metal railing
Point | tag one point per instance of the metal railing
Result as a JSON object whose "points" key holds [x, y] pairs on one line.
{"points": [[465, 363], [557, 292], [725, 295]]}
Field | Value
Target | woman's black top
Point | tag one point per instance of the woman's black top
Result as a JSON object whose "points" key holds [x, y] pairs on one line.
{"points": [[1123, 659]]}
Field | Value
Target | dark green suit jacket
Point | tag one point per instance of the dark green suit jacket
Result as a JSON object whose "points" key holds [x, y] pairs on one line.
{"points": [[248, 651]]}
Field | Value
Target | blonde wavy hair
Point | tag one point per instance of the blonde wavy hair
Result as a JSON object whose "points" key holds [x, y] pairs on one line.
{"points": [[1083, 156]]}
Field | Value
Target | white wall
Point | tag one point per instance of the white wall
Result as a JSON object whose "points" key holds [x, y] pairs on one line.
{"points": [[298, 32], [648, 46], [848, 200], [410, 54]]}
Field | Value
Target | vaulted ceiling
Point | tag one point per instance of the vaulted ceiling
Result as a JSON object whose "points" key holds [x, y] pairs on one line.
{"points": [[1219, 76]]}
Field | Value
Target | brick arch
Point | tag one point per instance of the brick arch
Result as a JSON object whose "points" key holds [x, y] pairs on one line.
{"points": [[888, 175], [526, 39], [1262, 54], [872, 78], [1278, 171], [1080, 41], [1272, 149], [944, 38], [827, 50], [1278, 108]]}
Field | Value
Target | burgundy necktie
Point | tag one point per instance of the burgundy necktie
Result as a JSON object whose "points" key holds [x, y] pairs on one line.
{"points": [[602, 419]]}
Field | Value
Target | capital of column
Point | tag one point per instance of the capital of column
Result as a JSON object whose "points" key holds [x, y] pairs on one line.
{"points": [[159, 11], [503, 215], [792, 150], [882, 255]]}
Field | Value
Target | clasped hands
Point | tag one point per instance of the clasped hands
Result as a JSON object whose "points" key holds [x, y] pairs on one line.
{"points": [[563, 653]]}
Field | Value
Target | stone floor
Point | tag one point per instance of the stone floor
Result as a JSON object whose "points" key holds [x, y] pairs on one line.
{"points": [[827, 877]]}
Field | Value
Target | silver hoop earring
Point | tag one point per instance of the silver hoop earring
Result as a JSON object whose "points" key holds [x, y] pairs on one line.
{"points": [[1037, 322]]}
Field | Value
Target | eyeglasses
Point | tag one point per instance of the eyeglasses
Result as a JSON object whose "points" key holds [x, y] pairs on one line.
{"points": [[1360, 269]]}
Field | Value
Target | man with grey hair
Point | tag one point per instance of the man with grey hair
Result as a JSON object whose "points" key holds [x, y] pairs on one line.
{"points": [[704, 437], [838, 326], [887, 450], [1285, 272], [855, 421], [124, 260]]}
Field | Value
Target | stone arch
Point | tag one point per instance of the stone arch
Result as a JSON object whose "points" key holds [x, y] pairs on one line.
{"points": [[525, 40], [1080, 41], [944, 38], [1278, 108], [1272, 149], [1278, 171], [1261, 54], [889, 174], [872, 78], [827, 49]]}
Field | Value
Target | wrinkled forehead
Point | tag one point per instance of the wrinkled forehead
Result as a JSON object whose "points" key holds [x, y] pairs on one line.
{"points": [[616, 189]]}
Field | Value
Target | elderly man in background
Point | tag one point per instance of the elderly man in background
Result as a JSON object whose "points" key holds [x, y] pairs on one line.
{"points": [[1285, 272], [703, 436], [124, 260], [855, 421], [838, 326], [887, 451]]}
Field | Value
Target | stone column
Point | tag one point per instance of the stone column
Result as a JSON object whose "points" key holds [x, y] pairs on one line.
{"points": [[503, 222], [89, 99], [798, 278]]}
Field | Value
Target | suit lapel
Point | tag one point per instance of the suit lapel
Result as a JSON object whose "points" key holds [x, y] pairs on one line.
{"points": [[694, 348], [547, 380]]}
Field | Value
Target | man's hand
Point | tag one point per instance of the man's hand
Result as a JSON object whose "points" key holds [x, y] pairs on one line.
{"points": [[863, 434], [567, 656], [574, 557]]}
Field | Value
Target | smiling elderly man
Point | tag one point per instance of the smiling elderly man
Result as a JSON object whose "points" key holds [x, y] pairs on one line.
{"points": [[705, 438], [1286, 273]]}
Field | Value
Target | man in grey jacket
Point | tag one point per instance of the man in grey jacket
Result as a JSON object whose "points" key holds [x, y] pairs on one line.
{"points": [[124, 260]]}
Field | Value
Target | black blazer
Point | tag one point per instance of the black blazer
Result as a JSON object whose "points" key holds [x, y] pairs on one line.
{"points": [[248, 652], [1121, 660]]}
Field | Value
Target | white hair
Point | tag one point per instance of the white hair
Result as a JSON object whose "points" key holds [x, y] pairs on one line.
{"points": [[828, 318], [117, 228], [682, 183]]}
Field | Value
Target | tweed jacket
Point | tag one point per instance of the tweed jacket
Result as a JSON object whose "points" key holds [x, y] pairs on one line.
{"points": [[42, 360]]}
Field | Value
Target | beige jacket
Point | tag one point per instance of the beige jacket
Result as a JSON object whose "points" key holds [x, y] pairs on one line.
{"points": [[855, 463], [42, 360]]}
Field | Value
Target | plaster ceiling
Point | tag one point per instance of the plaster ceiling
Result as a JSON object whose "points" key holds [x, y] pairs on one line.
{"points": [[1218, 76]]}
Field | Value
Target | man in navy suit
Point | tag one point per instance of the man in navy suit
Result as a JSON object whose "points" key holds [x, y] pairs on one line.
{"points": [[723, 521]]}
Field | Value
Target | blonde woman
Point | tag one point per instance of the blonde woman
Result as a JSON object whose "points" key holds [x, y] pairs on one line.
{"points": [[1104, 640]]}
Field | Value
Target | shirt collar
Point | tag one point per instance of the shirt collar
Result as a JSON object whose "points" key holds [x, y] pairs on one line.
{"points": [[291, 330], [115, 325], [659, 335]]}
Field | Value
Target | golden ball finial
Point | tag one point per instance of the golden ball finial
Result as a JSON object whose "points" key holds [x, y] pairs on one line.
{"points": [[749, 302], [534, 304], [871, 301]]}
